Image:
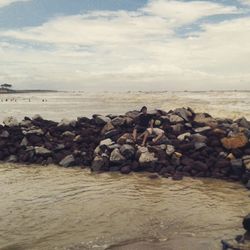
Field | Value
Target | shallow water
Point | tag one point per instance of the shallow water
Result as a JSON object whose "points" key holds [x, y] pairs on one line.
{"points": [[73, 104], [58, 208]]}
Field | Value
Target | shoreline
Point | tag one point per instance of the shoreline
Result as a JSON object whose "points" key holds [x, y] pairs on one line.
{"points": [[194, 145], [27, 91]]}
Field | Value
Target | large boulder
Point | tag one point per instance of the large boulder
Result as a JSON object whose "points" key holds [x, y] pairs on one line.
{"points": [[175, 118], [146, 157], [235, 141], [118, 121], [132, 114], [205, 119], [128, 151], [10, 121], [101, 120], [107, 127], [243, 122], [100, 163], [67, 161], [183, 113], [116, 157]]}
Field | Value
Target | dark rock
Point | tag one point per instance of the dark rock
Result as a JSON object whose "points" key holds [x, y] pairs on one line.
{"points": [[101, 120], [127, 151], [125, 170], [153, 176], [246, 223]]}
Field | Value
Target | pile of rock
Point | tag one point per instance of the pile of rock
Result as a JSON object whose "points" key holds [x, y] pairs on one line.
{"points": [[195, 144], [40, 141]]}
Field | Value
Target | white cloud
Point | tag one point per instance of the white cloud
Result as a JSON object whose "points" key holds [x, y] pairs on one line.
{"points": [[4, 3], [130, 49], [247, 2], [180, 13]]}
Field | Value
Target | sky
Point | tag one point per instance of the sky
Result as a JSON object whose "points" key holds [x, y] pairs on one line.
{"points": [[125, 44]]}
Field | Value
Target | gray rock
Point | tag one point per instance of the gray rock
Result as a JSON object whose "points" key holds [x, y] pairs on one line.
{"points": [[42, 151], [102, 120], [202, 129], [59, 147], [243, 122], [37, 117], [118, 121], [12, 158], [107, 127], [4, 134], [188, 125], [24, 142], [199, 138], [200, 145], [66, 123], [10, 121], [177, 127], [26, 123], [68, 161], [68, 134], [116, 157], [127, 151], [147, 157], [170, 150], [175, 118], [246, 161], [205, 119], [183, 113], [107, 142], [78, 138], [182, 137], [132, 114], [237, 163], [99, 163], [33, 131]]}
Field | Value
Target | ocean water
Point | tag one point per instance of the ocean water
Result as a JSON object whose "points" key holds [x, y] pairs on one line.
{"points": [[74, 104]]}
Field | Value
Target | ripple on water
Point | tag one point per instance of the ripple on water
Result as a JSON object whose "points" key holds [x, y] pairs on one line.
{"points": [[57, 208]]}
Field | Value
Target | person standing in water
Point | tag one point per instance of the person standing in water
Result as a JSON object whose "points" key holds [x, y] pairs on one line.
{"points": [[141, 123]]}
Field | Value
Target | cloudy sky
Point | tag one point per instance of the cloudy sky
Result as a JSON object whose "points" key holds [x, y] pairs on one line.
{"points": [[125, 44]]}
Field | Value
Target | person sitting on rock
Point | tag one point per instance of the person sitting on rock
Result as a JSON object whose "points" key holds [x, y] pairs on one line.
{"points": [[155, 128], [141, 123]]}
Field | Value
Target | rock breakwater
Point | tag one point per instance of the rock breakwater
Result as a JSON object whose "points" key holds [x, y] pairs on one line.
{"points": [[194, 144]]}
